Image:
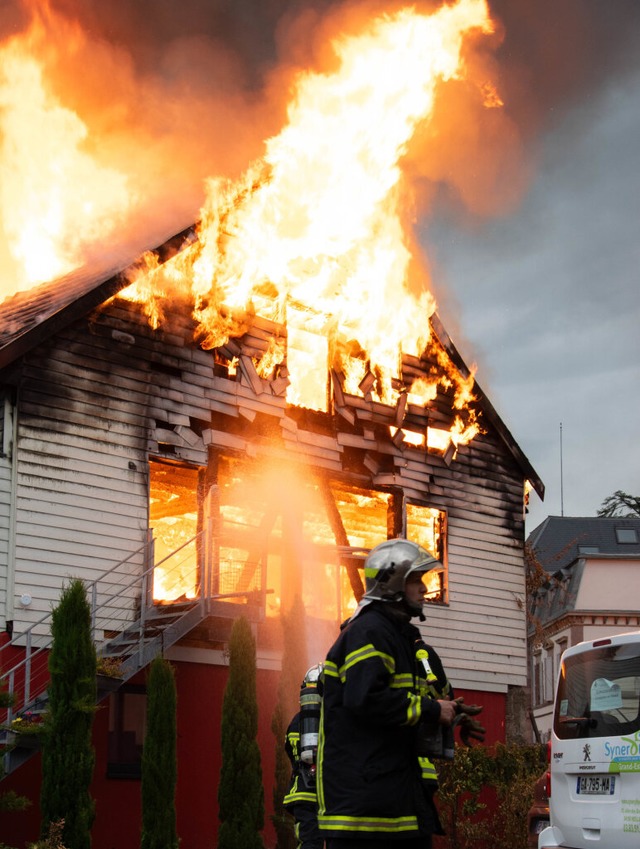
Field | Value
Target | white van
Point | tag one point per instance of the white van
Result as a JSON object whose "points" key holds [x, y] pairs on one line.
{"points": [[595, 747]]}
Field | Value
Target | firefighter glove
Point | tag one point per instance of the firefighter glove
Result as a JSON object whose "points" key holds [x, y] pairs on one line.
{"points": [[470, 729], [467, 710]]}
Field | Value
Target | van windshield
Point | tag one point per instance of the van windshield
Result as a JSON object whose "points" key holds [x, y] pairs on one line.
{"points": [[599, 693]]}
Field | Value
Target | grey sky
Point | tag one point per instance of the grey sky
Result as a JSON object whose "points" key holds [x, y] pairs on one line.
{"points": [[547, 301]]}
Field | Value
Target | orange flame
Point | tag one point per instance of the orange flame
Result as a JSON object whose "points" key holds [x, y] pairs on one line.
{"points": [[55, 195], [315, 236], [318, 222]]}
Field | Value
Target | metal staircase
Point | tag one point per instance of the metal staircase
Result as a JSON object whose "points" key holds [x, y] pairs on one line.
{"points": [[129, 631]]}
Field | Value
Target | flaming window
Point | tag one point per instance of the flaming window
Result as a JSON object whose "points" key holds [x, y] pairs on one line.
{"points": [[173, 517], [427, 526], [279, 531]]}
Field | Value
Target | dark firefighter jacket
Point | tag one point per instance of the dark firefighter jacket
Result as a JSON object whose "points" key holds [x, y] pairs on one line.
{"points": [[301, 800], [303, 782], [369, 778]]}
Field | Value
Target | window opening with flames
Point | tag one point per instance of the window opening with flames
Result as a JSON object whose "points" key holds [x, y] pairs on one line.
{"points": [[280, 532]]}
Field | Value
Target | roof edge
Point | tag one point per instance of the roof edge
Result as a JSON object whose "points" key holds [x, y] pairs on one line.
{"points": [[488, 408], [68, 313]]}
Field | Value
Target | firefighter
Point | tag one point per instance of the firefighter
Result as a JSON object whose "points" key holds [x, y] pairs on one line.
{"points": [[371, 791], [301, 746]]}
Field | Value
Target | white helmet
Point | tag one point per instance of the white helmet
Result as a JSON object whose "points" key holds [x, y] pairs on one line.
{"points": [[312, 675], [388, 566]]}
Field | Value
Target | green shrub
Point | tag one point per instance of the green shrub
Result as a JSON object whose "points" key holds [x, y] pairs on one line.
{"points": [[485, 795], [67, 752]]}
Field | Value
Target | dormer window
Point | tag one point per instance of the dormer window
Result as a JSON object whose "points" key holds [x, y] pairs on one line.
{"points": [[626, 536]]}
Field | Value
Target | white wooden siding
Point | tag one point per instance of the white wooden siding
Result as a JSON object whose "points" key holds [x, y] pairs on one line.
{"points": [[7, 427], [106, 394], [5, 505]]}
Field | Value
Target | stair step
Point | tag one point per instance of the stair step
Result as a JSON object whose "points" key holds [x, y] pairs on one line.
{"points": [[162, 629]]}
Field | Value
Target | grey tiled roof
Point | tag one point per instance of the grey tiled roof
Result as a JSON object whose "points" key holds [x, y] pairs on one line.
{"points": [[561, 545], [557, 540]]}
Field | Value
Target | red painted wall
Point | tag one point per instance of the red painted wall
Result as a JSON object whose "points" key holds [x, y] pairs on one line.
{"points": [[200, 690], [493, 717]]}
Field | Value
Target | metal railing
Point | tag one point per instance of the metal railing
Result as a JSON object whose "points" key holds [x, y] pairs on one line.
{"points": [[126, 622]]}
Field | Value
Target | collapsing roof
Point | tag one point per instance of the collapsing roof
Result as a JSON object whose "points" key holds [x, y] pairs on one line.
{"points": [[29, 318]]}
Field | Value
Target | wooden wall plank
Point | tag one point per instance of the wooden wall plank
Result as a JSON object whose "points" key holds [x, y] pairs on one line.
{"points": [[101, 396]]}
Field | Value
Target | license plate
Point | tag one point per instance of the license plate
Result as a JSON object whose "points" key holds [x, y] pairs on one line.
{"points": [[596, 785]]}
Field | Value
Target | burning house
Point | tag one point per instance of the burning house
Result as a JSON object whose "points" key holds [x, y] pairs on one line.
{"points": [[230, 421]]}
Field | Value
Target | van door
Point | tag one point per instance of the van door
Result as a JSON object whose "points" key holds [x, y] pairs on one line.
{"points": [[595, 752]]}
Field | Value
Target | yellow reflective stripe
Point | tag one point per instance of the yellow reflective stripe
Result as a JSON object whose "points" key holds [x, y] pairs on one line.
{"points": [[414, 709], [331, 669], [320, 753], [299, 797], [368, 824], [403, 679], [293, 739], [366, 653], [427, 769]]}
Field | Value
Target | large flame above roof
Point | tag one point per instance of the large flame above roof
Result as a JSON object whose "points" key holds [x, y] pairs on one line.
{"points": [[57, 194], [317, 233]]}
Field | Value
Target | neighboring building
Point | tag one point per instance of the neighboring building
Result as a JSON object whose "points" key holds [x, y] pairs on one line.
{"points": [[114, 432], [590, 590]]}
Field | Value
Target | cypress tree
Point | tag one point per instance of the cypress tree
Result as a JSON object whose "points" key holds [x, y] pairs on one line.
{"points": [[159, 760], [240, 794], [67, 753], [294, 666]]}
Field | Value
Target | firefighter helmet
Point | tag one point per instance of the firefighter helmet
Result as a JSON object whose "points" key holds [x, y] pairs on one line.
{"points": [[312, 675], [388, 566]]}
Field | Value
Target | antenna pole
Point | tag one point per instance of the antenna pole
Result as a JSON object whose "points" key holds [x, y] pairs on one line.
{"points": [[561, 476]]}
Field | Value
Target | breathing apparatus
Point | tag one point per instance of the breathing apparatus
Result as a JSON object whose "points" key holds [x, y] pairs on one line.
{"points": [[310, 705]]}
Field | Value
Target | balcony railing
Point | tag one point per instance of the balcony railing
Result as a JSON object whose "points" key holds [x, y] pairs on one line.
{"points": [[126, 622]]}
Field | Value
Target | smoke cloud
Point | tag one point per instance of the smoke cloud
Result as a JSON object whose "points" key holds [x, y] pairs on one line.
{"points": [[174, 93]]}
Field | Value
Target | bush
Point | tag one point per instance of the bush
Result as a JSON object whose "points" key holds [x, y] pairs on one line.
{"points": [[485, 795], [53, 840], [159, 765]]}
